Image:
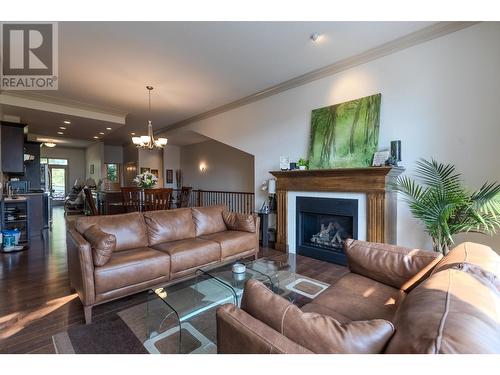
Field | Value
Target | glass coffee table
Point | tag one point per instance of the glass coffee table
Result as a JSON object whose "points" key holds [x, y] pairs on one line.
{"points": [[181, 317]]}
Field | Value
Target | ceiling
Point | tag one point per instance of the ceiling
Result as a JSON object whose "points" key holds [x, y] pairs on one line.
{"points": [[193, 66]]}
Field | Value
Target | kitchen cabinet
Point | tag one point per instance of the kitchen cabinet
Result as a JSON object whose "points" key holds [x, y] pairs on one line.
{"points": [[12, 147]]}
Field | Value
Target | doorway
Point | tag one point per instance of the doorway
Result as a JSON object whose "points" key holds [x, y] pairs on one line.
{"points": [[55, 178], [58, 182]]}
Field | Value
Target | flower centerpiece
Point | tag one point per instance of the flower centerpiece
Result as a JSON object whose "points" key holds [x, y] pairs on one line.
{"points": [[146, 180]]}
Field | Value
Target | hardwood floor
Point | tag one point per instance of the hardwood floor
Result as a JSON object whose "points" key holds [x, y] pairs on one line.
{"points": [[36, 303]]}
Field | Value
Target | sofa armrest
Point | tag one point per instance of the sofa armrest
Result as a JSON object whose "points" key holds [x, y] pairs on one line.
{"points": [[80, 266], [240, 333], [397, 266]]}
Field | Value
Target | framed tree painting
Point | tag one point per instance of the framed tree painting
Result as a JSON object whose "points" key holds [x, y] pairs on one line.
{"points": [[345, 135]]}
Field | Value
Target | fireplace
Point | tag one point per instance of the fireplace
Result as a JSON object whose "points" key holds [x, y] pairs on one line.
{"points": [[322, 224]]}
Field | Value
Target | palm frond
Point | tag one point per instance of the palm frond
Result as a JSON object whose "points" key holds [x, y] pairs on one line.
{"points": [[445, 206]]}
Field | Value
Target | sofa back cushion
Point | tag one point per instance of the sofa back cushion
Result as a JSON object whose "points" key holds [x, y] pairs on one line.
{"points": [[453, 311], [208, 220], [470, 253], [397, 266], [103, 244], [129, 229], [239, 222], [169, 225], [316, 332]]}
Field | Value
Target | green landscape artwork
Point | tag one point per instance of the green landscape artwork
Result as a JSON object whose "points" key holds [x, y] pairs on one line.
{"points": [[345, 135]]}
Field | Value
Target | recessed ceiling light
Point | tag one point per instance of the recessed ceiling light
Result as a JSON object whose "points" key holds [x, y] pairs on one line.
{"points": [[67, 122], [96, 137], [132, 133], [101, 133], [62, 127], [108, 128], [315, 37], [60, 133]]}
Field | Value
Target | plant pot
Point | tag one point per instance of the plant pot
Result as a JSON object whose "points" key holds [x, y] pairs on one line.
{"points": [[302, 167]]}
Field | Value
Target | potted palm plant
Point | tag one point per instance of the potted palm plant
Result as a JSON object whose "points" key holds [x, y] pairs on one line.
{"points": [[445, 206]]}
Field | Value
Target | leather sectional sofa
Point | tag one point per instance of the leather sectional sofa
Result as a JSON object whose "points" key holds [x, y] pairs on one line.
{"points": [[393, 300], [154, 249]]}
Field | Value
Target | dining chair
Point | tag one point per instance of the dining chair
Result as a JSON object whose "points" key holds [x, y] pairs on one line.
{"points": [[90, 201], [184, 197], [131, 199], [157, 199]]}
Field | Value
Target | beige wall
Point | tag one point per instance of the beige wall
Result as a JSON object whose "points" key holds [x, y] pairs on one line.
{"points": [[153, 160], [227, 168], [76, 161], [171, 160], [440, 98]]}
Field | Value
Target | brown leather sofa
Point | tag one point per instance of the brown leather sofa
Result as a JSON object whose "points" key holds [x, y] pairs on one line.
{"points": [[435, 305], [154, 249]]}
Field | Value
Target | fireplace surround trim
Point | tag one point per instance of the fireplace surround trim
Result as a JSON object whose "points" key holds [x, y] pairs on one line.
{"points": [[381, 202]]}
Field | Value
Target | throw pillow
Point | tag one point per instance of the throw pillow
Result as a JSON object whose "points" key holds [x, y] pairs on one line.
{"points": [[103, 244], [237, 221], [316, 332]]}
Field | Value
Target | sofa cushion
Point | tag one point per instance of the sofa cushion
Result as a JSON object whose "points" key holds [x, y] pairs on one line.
{"points": [[208, 220], [360, 298], [471, 253], [238, 221], [316, 332], [129, 229], [233, 242], [131, 267], [169, 225], [103, 244], [451, 312], [390, 264], [324, 310], [190, 254]]}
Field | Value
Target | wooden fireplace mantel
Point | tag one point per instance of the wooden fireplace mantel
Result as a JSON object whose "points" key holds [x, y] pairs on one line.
{"points": [[381, 210]]}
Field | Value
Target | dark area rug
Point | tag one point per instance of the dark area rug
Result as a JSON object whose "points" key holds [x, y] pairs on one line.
{"points": [[107, 336], [129, 332]]}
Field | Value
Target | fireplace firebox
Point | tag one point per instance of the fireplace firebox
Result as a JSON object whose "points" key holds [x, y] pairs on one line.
{"points": [[323, 224]]}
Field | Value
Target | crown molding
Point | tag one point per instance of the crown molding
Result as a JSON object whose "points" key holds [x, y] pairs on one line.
{"points": [[63, 106], [428, 33]]}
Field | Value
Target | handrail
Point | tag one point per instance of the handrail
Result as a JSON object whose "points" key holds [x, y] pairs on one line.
{"points": [[235, 201]]}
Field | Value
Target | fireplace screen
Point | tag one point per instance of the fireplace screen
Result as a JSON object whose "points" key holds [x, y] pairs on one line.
{"points": [[322, 226], [326, 231]]}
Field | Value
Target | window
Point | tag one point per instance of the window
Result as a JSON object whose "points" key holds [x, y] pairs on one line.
{"points": [[53, 161], [113, 172]]}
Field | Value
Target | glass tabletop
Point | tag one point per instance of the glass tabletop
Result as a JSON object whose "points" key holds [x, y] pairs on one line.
{"points": [[183, 314], [236, 281], [177, 314], [286, 282]]}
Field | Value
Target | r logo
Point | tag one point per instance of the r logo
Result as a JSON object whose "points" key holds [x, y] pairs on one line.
{"points": [[29, 56], [27, 49]]}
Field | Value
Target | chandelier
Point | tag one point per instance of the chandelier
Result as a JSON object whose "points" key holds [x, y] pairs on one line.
{"points": [[148, 141]]}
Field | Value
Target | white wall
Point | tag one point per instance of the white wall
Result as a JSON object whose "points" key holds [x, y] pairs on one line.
{"points": [[440, 98], [226, 168], [171, 160], [76, 161]]}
